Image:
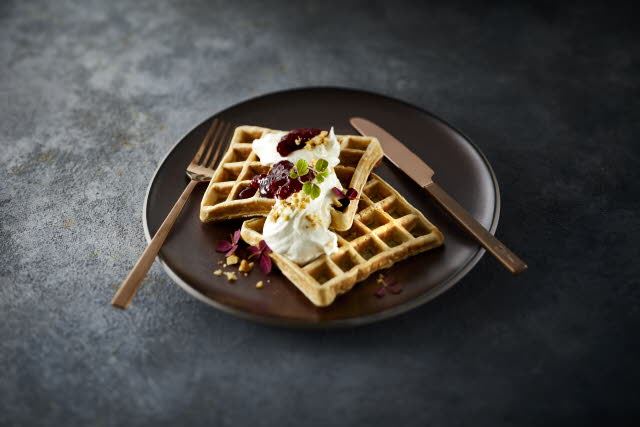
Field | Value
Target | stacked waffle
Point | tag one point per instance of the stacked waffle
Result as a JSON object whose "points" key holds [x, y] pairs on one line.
{"points": [[374, 230]]}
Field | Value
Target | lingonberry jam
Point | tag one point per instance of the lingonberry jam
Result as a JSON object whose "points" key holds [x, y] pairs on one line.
{"points": [[344, 197], [308, 177], [277, 183], [295, 140], [343, 205], [293, 186], [255, 181], [247, 192]]}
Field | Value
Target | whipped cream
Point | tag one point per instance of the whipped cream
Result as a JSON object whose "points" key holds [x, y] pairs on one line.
{"points": [[266, 149], [298, 227]]}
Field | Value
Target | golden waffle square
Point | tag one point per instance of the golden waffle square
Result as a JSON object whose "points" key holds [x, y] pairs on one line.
{"points": [[385, 230], [358, 156]]}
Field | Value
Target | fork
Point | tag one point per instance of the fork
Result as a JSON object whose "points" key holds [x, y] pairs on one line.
{"points": [[199, 170]]}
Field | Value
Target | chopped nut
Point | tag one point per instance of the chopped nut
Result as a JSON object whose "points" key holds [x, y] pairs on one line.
{"points": [[232, 260], [218, 272], [245, 266], [319, 139], [314, 220], [260, 284], [295, 202], [245, 274], [231, 276]]}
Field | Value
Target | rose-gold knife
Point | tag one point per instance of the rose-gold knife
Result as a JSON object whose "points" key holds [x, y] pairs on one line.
{"points": [[421, 173]]}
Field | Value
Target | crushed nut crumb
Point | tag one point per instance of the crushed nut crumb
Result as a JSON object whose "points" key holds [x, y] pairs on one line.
{"points": [[218, 272], [314, 220], [260, 284], [232, 260], [285, 208], [231, 276], [319, 139], [245, 266]]}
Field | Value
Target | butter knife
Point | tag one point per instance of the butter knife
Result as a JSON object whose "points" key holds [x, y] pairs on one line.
{"points": [[422, 174]]}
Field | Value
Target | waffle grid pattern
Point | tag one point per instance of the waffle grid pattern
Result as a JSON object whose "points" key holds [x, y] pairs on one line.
{"points": [[358, 156], [386, 229]]}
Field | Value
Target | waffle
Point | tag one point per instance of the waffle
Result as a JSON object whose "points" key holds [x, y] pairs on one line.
{"points": [[385, 230], [358, 156]]}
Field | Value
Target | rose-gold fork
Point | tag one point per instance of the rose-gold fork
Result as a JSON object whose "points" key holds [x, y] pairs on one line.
{"points": [[199, 170]]}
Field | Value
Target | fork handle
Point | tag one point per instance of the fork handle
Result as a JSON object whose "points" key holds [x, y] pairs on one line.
{"points": [[496, 248], [130, 285]]}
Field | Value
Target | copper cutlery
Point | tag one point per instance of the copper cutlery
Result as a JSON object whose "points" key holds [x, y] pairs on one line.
{"points": [[199, 170], [422, 174]]}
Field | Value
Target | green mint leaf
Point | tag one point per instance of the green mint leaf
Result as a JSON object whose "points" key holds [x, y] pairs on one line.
{"points": [[293, 173], [302, 167], [320, 178], [307, 187], [324, 174], [315, 191], [321, 165]]}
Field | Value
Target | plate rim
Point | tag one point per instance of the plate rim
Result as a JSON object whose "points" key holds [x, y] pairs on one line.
{"points": [[433, 293]]}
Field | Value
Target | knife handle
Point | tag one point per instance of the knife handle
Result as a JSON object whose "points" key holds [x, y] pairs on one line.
{"points": [[510, 260]]}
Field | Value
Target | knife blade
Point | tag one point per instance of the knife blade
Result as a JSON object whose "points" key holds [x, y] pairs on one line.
{"points": [[412, 165]]}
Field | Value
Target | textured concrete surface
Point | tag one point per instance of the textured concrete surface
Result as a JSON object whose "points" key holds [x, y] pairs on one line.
{"points": [[92, 95]]}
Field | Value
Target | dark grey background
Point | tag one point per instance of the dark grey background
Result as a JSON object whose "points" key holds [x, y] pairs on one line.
{"points": [[93, 94]]}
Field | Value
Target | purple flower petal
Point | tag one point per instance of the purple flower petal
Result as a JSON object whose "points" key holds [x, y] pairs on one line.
{"points": [[351, 194], [338, 192], [254, 251], [223, 246], [235, 238], [231, 251], [265, 264], [380, 292], [395, 289]]}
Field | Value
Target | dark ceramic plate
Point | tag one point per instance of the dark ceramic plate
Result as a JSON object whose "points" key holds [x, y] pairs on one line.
{"points": [[189, 257]]}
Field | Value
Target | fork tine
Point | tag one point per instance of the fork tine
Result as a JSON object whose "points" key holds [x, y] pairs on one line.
{"points": [[206, 142], [212, 141], [217, 140], [223, 143]]}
